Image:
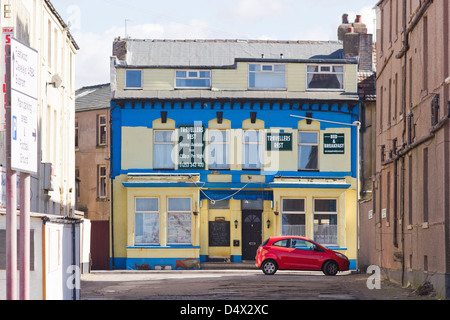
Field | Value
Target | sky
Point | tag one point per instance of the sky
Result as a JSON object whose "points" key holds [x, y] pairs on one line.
{"points": [[95, 23]]}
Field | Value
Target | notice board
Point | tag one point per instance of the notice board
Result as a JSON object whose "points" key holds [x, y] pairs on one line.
{"points": [[191, 145], [219, 233]]}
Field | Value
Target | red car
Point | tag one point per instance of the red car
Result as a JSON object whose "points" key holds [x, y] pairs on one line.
{"points": [[299, 253]]}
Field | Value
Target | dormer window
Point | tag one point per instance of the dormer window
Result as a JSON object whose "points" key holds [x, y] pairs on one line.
{"points": [[325, 77], [193, 79], [133, 79], [267, 76]]}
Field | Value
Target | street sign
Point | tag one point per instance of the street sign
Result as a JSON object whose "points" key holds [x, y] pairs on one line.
{"points": [[24, 107]]}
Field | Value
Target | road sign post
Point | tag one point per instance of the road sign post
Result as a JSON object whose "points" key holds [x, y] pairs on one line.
{"points": [[22, 119]]}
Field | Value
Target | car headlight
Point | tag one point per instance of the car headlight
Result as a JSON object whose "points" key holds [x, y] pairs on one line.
{"points": [[340, 255]]}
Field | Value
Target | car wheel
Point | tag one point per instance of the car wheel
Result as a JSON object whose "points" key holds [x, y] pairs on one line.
{"points": [[269, 267], [330, 268]]}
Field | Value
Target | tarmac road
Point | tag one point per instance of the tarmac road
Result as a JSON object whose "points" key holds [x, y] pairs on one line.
{"points": [[236, 285]]}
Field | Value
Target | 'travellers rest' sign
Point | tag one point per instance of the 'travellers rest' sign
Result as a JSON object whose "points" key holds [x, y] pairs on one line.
{"points": [[279, 142], [191, 144], [334, 143]]}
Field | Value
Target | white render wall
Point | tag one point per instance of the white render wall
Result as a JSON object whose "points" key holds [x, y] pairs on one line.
{"points": [[36, 25]]}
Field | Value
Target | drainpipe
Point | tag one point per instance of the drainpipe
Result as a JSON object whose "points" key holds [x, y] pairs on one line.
{"points": [[111, 163]]}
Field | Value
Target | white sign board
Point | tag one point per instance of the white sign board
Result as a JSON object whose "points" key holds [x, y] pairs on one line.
{"points": [[24, 107]]}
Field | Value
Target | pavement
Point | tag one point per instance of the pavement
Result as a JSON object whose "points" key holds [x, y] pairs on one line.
{"points": [[239, 282]]}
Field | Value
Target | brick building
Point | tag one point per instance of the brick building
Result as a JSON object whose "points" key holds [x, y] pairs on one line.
{"points": [[405, 228]]}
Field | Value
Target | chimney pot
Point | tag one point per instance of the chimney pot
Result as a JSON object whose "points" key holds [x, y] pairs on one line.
{"points": [[358, 19], [345, 18]]}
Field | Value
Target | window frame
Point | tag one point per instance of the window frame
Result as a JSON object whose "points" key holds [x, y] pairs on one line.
{"points": [[187, 213], [141, 79], [102, 180], [262, 65], [300, 144], [164, 143], [225, 146], [325, 72], [77, 134], [191, 78], [99, 130], [148, 212], [259, 143], [330, 213], [300, 213]]}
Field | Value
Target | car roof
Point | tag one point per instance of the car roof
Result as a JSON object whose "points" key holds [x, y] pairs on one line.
{"points": [[274, 239]]}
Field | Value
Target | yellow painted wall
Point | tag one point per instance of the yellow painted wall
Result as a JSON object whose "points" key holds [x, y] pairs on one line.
{"points": [[233, 79], [135, 154], [296, 77], [124, 214], [231, 215], [120, 219]]}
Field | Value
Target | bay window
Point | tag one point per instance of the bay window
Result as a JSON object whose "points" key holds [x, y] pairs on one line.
{"points": [[325, 221], [146, 221], [179, 221], [293, 217]]}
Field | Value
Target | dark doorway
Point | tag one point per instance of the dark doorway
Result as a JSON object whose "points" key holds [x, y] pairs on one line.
{"points": [[100, 245], [251, 233]]}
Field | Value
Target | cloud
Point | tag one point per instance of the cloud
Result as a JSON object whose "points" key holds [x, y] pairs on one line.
{"points": [[92, 61], [254, 9]]}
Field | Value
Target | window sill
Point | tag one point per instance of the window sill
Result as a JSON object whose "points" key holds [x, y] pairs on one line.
{"points": [[252, 170], [158, 247], [267, 89], [325, 89]]}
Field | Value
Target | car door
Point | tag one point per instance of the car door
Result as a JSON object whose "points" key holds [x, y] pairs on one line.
{"points": [[282, 251], [304, 256]]}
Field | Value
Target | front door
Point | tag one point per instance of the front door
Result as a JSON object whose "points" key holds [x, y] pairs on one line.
{"points": [[251, 233]]}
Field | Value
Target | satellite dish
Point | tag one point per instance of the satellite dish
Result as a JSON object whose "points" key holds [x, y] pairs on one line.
{"points": [[56, 81]]}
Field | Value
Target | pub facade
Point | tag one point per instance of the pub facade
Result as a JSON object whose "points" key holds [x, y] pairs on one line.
{"points": [[217, 145]]}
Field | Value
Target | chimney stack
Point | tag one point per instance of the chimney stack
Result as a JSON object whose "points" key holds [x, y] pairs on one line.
{"points": [[342, 30], [357, 43]]}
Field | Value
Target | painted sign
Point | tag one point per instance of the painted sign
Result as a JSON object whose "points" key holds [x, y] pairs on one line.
{"points": [[24, 107], [334, 143], [7, 34], [191, 146], [219, 234], [279, 141]]}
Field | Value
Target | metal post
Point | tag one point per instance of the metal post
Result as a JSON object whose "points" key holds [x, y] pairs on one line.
{"points": [[25, 184], [11, 217]]}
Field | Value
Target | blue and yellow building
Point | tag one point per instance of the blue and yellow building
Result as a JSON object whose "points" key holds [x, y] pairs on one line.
{"points": [[219, 144]]}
